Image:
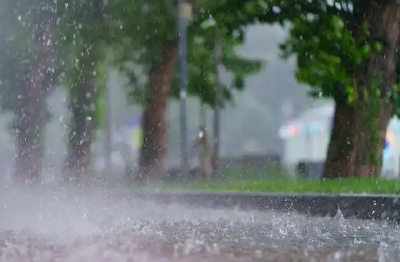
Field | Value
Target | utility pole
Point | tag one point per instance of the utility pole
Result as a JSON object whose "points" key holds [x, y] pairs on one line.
{"points": [[185, 14], [217, 105], [108, 127]]}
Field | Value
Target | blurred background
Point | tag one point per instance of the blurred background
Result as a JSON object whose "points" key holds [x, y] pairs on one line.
{"points": [[249, 125]]}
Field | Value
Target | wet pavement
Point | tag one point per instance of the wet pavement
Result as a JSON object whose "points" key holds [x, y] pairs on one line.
{"points": [[96, 225]]}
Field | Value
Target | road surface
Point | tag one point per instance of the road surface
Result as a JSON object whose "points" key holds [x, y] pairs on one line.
{"points": [[95, 225]]}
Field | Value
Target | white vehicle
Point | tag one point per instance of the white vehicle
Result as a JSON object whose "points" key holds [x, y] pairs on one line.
{"points": [[306, 139]]}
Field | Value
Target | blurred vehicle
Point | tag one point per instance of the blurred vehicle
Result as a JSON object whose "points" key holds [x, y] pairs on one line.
{"points": [[388, 167], [306, 140]]}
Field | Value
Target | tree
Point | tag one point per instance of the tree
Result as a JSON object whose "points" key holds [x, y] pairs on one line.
{"points": [[28, 70], [346, 50], [83, 31], [152, 46], [359, 75]]}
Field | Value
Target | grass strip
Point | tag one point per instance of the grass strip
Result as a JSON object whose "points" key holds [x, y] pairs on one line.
{"points": [[348, 185]]}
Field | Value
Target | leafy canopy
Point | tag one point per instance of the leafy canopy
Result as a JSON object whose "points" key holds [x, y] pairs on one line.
{"points": [[83, 36], [143, 29], [23, 24], [324, 35]]}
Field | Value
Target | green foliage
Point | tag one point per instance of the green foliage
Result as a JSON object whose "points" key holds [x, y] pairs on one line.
{"points": [[142, 41], [201, 66], [325, 36], [140, 32], [325, 60], [327, 52], [83, 37], [22, 24], [319, 37], [16, 51]]}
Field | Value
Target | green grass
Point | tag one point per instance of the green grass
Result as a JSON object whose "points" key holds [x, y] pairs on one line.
{"points": [[276, 180], [349, 185]]}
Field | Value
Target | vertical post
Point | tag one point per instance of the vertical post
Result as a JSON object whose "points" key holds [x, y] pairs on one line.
{"points": [[185, 14], [217, 106], [310, 159], [108, 128], [202, 115]]}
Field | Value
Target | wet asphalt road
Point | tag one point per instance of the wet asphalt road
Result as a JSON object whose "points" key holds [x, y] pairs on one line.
{"points": [[94, 225]]}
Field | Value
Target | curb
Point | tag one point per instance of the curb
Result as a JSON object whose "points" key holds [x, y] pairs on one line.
{"points": [[354, 206]]}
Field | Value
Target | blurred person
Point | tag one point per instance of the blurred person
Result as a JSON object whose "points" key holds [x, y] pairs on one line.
{"points": [[202, 152]]}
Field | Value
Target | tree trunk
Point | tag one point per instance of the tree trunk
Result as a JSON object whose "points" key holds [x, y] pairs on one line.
{"points": [[373, 112], [83, 96], [81, 132], [370, 137], [341, 148], [365, 127], [30, 125], [30, 120], [357, 140], [154, 122]]}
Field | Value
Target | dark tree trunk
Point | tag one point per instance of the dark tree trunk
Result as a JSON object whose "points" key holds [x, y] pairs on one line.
{"points": [[82, 98], [30, 124], [371, 130], [81, 131], [341, 148], [372, 113], [357, 140], [365, 127], [154, 122], [30, 120]]}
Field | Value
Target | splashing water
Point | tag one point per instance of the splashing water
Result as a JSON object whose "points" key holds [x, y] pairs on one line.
{"points": [[93, 224]]}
